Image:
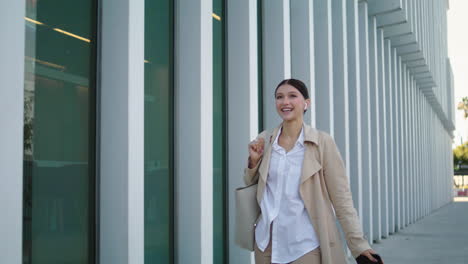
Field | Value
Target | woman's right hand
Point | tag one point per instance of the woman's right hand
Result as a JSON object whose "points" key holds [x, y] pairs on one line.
{"points": [[255, 151]]}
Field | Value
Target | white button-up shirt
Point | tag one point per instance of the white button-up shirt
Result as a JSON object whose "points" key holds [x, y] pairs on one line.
{"points": [[292, 234]]}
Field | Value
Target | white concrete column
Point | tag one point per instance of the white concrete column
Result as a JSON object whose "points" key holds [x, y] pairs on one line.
{"points": [[403, 144], [420, 145], [276, 55], [12, 29], [418, 153], [385, 135], [406, 143], [324, 57], [411, 148], [375, 75], [397, 140], [193, 132], [426, 156], [354, 104], [242, 82], [364, 111], [122, 132], [412, 154], [302, 51], [340, 79], [392, 166], [381, 117]]}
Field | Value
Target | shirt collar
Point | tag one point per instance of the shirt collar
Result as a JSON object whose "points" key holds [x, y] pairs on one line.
{"points": [[299, 141]]}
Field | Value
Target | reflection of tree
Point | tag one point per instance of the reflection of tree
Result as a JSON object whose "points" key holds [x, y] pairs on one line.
{"points": [[463, 105], [460, 155], [28, 124]]}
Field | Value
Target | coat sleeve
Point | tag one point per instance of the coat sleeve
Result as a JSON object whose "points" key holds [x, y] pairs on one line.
{"points": [[251, 175], [341, 198]]}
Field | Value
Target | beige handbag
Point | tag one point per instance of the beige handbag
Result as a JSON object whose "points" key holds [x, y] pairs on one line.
{"points": [[247, 212]]}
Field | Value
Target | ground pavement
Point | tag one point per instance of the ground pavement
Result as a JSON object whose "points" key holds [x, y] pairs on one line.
{"points": [[439, 238]]}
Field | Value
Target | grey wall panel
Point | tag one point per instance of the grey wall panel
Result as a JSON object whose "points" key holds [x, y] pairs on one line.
{"points": [[12, 28]]}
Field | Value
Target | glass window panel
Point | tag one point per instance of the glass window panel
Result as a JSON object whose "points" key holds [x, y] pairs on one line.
{"points": [[59, 132], [219, 132], [159, 28], [260, 64]]}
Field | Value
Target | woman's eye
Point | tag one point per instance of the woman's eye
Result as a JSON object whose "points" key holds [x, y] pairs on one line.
{"points": [[278, 97]]}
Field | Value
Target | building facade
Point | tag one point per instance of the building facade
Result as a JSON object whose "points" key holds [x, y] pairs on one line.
{"points": [[126, 123]]}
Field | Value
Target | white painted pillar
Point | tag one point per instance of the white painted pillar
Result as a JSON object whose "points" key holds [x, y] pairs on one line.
{"points": [[122, 133], [420, 145], [411, 149], [276, 55], [364, 111], [397, 140], [410, 198], [392, 166], [11, 136], [193, 132], [242, 82], [403, 137], [374, 51], [354, 104], [406, 142], [302, 51], [324, 57], [381, 134], [340, 80], [385, 118]]}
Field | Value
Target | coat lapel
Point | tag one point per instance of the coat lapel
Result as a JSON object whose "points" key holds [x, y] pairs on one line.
{"points": [[265, 165], [310, 165]]}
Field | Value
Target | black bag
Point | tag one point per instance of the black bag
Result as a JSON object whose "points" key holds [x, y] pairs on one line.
{"points": [[364, 260]]}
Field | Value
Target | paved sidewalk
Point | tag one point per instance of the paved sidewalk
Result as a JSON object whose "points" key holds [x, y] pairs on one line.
{"points": [[441, 237]]}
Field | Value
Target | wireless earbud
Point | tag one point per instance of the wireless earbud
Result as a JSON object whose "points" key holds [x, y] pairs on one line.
{"points": [[305, 107]]}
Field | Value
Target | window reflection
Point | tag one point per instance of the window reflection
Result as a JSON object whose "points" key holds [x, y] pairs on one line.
{"points": [[59, 139], [159, 119]]}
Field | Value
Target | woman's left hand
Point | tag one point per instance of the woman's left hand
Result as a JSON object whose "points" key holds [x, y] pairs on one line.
{"points": [[368, 253]]}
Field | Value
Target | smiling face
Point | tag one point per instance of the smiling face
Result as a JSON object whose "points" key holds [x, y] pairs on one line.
{"points": [[290, 103]]}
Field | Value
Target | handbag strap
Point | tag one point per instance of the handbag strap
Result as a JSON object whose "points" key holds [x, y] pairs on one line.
{"points": [[267, 139]]}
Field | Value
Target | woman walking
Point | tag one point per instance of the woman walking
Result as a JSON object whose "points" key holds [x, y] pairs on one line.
{"points": [[302, 185]]}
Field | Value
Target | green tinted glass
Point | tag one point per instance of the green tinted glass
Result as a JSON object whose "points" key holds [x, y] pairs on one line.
{"points": [[260, 64], [219, 131], [159, 131], [59, 132]]}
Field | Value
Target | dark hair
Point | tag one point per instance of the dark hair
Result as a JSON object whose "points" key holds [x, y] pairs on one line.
{"points": [[299, 85]]}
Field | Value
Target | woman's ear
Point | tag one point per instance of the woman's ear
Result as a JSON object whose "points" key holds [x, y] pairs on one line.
{"points": [[307, 103]]}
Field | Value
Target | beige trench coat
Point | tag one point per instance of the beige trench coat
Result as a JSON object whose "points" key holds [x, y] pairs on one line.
{"points": [[324, 188]]}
